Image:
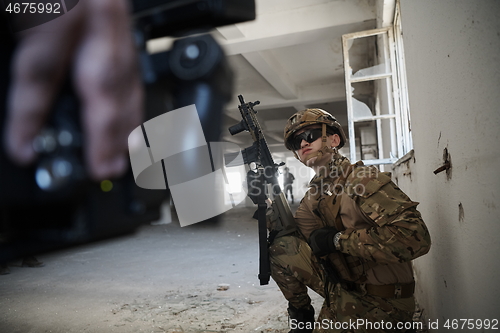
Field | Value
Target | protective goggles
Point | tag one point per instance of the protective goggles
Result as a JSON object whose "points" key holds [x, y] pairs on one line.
{"points": [[309, 136]]}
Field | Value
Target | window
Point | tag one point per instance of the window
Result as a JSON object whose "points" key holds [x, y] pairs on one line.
{"points": [[376, 92]]}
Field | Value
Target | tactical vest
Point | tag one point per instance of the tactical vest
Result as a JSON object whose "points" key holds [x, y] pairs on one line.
{"points": [[326, 205]]}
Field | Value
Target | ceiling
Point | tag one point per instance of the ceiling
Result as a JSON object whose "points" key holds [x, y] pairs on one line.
{"points": [[290, 58]]}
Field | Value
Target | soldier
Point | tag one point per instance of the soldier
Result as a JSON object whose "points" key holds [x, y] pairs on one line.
{"points": [[357, 234], [288, 179]]}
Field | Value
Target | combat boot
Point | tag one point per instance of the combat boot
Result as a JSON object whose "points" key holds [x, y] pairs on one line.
{"points": [[301, 320]]}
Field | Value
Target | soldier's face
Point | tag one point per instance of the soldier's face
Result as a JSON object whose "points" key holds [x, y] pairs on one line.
{"points": [[307, 148]]}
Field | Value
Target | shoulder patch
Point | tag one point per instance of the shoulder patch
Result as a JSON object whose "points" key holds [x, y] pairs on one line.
{"points": [[364, 181], [380, 199]]}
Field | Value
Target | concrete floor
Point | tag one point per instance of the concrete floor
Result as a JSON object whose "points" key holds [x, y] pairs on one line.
{"points": [[164, 278]]}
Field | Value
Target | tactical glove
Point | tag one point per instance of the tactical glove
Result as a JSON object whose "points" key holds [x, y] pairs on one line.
{"points": [[321, 241]]}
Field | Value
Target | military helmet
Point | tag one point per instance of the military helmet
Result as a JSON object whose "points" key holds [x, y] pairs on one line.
{"points": [[309, 117]]}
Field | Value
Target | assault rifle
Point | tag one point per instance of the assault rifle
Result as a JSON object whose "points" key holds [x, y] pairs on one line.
{"points": [[263, 175]]}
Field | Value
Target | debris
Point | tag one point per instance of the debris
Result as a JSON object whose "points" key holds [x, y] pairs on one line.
{"points": [[223, 286], [227, 325]]}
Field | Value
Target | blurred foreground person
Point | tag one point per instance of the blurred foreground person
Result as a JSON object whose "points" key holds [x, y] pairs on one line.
{"points": [[93, 44], [90, 48]]}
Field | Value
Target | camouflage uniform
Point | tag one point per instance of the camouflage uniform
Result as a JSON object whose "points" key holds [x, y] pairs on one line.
{"points": [[381, 233]]}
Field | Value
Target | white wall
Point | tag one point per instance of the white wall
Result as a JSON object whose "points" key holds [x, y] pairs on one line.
{"points": [[452, 52]]}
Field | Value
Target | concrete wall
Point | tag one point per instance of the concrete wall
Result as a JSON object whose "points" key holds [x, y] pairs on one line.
{"points": [[453, 64]]}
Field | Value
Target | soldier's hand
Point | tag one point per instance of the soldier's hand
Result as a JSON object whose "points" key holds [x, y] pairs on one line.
{"points": [[321, 241], [94, 41]]}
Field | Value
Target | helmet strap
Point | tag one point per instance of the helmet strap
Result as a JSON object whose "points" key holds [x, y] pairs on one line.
{"points": [[324, 147], [323, 135]]}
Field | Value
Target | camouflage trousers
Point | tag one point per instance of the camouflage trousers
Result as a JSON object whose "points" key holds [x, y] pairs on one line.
{"points": [[294, 268]]}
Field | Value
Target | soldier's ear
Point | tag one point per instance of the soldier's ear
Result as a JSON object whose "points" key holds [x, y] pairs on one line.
{"points": [[335, 140]]}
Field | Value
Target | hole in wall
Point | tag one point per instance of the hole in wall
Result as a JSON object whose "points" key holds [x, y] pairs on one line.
{"points": [[461, 212], [447, 161]]}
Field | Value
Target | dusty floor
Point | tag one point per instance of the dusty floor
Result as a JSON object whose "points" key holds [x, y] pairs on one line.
{"points": [[162, 279]]}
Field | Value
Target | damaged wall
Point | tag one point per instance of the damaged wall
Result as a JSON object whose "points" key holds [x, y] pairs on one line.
{"points": [[453, 66]]}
